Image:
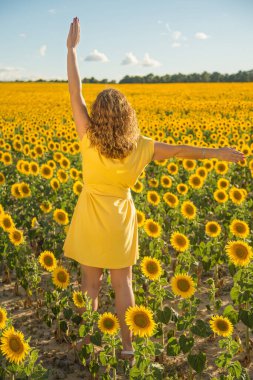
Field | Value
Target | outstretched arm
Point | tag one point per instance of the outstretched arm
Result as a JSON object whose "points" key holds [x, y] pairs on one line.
{"points": [[164, 150], [79, 109]]}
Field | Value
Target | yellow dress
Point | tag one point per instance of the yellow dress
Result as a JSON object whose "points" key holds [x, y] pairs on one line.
{"points": [[103, 231]]}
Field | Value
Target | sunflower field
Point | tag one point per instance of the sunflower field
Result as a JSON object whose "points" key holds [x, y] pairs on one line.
{"points": [[193, 282]]}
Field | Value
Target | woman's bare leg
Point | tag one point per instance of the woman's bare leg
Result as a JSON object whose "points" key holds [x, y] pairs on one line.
{"points": [[91, 278], [121, 280]]}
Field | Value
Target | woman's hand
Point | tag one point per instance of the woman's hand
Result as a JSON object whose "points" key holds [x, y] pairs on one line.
{"points": [[74, 34], [230, 154]]}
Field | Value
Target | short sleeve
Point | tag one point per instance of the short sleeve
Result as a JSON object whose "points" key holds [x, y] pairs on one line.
{"points": [[147, 147]]}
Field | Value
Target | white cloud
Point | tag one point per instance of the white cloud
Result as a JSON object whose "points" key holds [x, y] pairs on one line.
{"points": [[10, 73], [130, 59], [148, 61], [52, 11], [96, 56], [201, 36], [159, 21], [176, 35], [22, 35], [43, 49], [176, 44]]}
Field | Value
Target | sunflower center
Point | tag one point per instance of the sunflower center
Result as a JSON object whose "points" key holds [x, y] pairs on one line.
{"points": [[153, 197], [240, 228], [213, 228], [241, 251], [48, 260], [189, 210], [183, 285], [46, 171], [237, 195], [108, 323], [180, 241], [61, 216], [1, 317], [62, 277], [222, 325], [152, 267], [141, 320], [196, 180], [16, 235], [7, 223], [79, 298], [15, 344], [221, 195], [153, 227]]}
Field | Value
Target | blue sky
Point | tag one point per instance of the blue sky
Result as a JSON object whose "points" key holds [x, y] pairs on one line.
{"points": [[120, 37]]}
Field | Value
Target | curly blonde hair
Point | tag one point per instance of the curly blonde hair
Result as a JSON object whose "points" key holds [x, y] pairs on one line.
{"points": [[113, 128]]}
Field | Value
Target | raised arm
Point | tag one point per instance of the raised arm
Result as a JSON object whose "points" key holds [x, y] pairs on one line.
{"points": [[163, 151], [79, 109]]}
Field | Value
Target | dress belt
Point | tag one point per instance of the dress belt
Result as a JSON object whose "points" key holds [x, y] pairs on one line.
{"points": [[108, 190]]}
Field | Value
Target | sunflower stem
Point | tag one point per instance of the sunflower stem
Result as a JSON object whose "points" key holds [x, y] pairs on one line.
{"points": [[216, 274], [113, 355]]}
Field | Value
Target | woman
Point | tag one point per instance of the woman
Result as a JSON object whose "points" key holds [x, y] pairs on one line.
{"points": [[103, 232]]}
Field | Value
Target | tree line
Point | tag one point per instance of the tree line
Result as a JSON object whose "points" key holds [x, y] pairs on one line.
{"points": [[240, 76]]}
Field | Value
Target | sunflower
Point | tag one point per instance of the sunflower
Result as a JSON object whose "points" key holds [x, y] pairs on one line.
{"points": [[212, 229], [166, 181], [6, 158], [152, 228], [179, 241], [60, 216], [77, 187], [221, 325], [171, 199], [73, 173], [16, 236], [108, 323], [62, 176], [65, 163], [78, 299], [47, 260], [137, 187], [153, 182], [34, 168], [34, 222], [220, 196], [189, 164], [3, 318], [182, 188], [239, 252], [223, 183], [46, 171], [15, 192], [188, 210], [24, 190], [221, 167], [172, 168], [153, 197], [140, 218], [140, 320], [55, 184], [195, 181], [183, 285], [202, 172], [236, 195], [2, 178], [13, 345], [239, 228], [60, 277], [151, 268], [46, 206], [6, 222]]}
